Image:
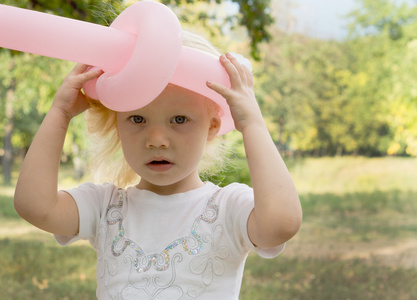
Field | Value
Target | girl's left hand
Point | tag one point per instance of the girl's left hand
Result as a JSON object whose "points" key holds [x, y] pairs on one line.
{"points": [[240, 96]]}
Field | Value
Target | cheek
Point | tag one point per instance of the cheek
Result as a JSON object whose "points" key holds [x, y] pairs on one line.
{"points": [[127, 149], [128, 131], [130, 144], [196, 138], [194, 149]]}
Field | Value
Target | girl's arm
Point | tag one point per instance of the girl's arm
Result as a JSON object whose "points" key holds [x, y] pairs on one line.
{"points": [[277, 214], [37, 199]]}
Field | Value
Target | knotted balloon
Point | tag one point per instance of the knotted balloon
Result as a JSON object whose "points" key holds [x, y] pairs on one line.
{"points": [[140, 53]]}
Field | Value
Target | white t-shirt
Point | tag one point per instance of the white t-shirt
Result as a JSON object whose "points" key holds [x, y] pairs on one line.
{"points": [[190, 245]]}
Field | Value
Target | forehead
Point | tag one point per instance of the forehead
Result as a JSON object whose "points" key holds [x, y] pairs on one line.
{"points": [[175, 97]]}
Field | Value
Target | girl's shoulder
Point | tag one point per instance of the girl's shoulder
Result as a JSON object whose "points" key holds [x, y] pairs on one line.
{"points": [[237, 188], [235, 195], [95, 188], [92, 192]]}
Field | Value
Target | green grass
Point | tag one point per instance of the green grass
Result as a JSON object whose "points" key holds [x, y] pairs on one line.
{"points": [[342, 175], [358, 240], [331, 278], [362, 216], [35, 270], [7, 210]]}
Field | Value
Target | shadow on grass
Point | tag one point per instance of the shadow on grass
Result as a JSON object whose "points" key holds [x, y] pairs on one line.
{"points": [[363, 216], [33, 270], [360, 203], [325, 279]]}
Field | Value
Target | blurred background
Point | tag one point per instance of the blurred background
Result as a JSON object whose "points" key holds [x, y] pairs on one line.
{"points": [[336, 81]]}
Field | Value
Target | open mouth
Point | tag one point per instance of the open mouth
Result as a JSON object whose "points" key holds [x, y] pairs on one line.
{"points": [[159, 162], [160, 165]]}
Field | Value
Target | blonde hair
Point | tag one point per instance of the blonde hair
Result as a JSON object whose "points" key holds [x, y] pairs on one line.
{"points": [[108, 162]]}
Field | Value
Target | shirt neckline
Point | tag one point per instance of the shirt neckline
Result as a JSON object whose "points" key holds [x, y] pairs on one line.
{"points": [[202, 190]]}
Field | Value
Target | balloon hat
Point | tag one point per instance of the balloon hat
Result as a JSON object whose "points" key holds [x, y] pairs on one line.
{"points": [[140, 53]]}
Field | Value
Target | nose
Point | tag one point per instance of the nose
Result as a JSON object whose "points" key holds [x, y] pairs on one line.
{"points": [[157, 137]]}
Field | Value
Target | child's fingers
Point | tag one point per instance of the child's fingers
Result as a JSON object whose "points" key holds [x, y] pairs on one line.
{"points": [[219, 88], [239, 75], [249, 77], [79, 68], [82, 69], [239, 67], [232, 71], [87, 76], [80, 75]]}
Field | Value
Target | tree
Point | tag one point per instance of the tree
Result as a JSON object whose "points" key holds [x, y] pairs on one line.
{"points": [[19, 71], [302, 85], [386, 34], [254, 15]]}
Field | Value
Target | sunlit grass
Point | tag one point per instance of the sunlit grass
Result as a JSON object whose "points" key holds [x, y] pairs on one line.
{"points": [[342, 175]]}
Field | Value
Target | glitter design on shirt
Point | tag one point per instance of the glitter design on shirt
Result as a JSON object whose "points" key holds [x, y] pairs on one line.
{"points": [[155, 287], [192, 244], [209, 264]]}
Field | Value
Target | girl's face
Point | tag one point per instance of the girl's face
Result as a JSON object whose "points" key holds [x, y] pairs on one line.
{"points": [[164, 141]]}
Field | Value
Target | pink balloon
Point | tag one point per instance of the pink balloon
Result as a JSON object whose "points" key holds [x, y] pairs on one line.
{"points": [[153, 61], [63, 38], [193, 71], [140, 53]]}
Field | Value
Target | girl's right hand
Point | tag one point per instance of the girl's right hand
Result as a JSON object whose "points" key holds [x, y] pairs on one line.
{"points": [[69, 98]]}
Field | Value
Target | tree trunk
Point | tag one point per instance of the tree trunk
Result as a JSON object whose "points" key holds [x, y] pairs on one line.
{"points": [[7, 161]]}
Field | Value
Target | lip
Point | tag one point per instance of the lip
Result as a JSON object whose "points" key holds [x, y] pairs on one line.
{"points": [[159, 164]]}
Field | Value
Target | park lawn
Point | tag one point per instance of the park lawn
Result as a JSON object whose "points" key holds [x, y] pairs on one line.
{"points": [[358, 241]]}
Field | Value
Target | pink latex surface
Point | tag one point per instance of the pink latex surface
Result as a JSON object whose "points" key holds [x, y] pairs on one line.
{"points": [[140, 53]]}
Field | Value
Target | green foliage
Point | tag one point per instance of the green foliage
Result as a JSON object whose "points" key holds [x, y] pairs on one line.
{"points": [[34, 92], [388, 64], [33, 80], [352, 97], [76, 9], [301, 87], [254, 15]]}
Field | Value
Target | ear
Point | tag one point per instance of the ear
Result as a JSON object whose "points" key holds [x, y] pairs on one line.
{"points": [[214, 128]]}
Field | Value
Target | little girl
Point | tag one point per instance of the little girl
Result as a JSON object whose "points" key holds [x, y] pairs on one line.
{"points": [[170, 235]]}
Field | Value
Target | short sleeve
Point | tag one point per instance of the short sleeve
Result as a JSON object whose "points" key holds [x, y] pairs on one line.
{"points": [[90, 199], [240, 205]]}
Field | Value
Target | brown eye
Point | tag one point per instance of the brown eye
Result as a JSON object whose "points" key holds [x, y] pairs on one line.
{"points": [[179, 120], [137, 119]]}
